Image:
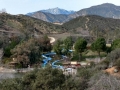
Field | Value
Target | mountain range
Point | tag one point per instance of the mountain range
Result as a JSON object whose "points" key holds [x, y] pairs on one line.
{"points": [[52, 15], [87, 25], [54, 11], [60, 15], [58, 11], [90, 25], [105, 10]]}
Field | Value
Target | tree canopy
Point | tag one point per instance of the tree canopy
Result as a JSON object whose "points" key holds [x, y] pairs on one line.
{"points": [[115, 44], [57, 47], [43, 79], [68, 43], [29, 52], [80, 45], [99, 45]]}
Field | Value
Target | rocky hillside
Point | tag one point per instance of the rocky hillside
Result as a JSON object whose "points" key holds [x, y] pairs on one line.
{"points": [[21, 24], [83, 25], [50, 17], [94, 26], [105, 10]]}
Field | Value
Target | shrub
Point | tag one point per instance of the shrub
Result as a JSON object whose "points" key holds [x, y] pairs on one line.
{"points": [[101, 81], [113, 56], [117, 63], [6, 60]]}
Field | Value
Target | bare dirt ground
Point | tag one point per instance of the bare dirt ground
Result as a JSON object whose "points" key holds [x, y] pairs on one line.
{"points": [[64, 35], [111, 71], [3, 69]]}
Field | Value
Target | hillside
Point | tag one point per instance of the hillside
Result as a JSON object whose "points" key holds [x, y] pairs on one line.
{"points": [[105, 10], [21, 24], [50, 17], [94, 25], [83, 26]]}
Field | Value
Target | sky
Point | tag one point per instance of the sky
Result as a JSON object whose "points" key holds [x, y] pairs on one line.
{"points": [[26, 6]]}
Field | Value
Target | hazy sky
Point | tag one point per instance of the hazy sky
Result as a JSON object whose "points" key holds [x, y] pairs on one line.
{"points": [[25, 6]]}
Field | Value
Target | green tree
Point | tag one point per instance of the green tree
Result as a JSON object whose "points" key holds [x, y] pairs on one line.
{"points": [[115, 44], [99, 45], [44, 44], [80, 46], [9, 47], [11, 84], [57, 47], [27, 52], [48, 79], [68, 43], [113, 57], [44, 79]]}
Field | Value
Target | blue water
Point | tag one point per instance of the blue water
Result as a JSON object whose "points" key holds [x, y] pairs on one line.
{"points": [[47, 58]]}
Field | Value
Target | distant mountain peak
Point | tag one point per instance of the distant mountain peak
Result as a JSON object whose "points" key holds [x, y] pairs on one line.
{"points": [[108, 4], [56, 14], [57, 10]]}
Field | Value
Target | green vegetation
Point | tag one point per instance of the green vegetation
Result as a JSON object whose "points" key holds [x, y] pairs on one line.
{"points": [[80, 46], [57, 47], [68, 44], [103, 81], [114, 57], [22, 24], [9, 47], [96, 25], [43, 79], [99, 45], [26, 47], [53, 79], [115, 44], [29, 52]]}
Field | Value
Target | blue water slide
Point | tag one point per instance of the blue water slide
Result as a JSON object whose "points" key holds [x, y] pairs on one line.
{"points": [[56, 66], [47, 58], [71, 50], [49, 54], [45, 61], [44, 56], [63, 56]]}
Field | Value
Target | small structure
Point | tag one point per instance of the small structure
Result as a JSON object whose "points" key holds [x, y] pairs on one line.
{"points": [[70, 71], [66, 64], [72, 64], [75, 64]]}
